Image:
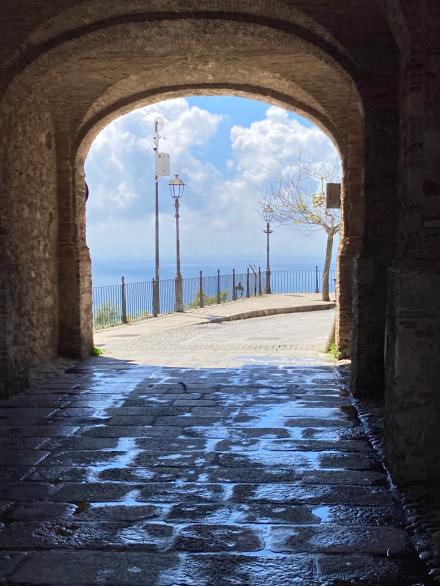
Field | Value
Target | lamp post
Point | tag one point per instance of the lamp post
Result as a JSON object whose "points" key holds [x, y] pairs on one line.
{"points": [[177, 186], [267, 215]]}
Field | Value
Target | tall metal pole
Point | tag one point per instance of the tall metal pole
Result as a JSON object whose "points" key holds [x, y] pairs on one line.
{"points": [[179, 291], [157, 267], [156, 292], [268, 232]]}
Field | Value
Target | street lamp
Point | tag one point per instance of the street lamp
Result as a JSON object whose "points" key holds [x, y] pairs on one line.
{"points": [[267, 215], [177, 186]]}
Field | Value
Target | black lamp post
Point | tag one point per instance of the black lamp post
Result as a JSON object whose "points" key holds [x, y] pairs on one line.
{"points": [[176, 189], [267, 215]]}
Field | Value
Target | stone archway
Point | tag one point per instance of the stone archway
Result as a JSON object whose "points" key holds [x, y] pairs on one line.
{"points": [[78, 69], [269, 96], [67, 65]]}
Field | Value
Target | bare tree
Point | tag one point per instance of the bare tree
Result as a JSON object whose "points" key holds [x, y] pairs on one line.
{"points": [[294, 200]]}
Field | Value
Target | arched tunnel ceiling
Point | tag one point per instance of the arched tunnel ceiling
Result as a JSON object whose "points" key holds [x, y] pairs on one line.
{"points": [[224, 56], [94, 124], [94, 59], [37, 23]]}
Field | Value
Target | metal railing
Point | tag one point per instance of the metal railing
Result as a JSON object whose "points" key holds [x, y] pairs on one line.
{"points": [[118, 304]]}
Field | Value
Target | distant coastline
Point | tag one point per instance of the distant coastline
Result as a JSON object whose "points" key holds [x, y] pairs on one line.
{"points": [[110, 272]]}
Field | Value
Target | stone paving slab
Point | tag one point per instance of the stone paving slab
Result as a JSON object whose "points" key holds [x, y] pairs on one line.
{"points": [[212, 489], [258, 474]]}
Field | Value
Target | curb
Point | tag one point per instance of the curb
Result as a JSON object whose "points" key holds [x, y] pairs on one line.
{"points": [[273, 311]]}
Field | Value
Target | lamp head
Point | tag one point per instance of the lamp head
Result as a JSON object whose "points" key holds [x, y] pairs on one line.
{"points": [[267, 213], [176, 186]]}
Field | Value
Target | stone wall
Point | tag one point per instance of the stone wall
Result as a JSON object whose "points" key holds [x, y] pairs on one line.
{"points": [[296, 53], [413, 321], [28, 232], [378, 243], [74, 265], [78, 64], [352, 227]]}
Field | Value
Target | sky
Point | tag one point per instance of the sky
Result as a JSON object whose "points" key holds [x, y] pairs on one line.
{"points": [[229, 151]]}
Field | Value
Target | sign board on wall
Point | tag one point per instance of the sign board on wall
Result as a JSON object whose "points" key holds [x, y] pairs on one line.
{"points": [[333, 196]]}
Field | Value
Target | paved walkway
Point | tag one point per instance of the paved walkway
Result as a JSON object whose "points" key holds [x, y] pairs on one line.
{"points": [[256, 474], [220, 334]]}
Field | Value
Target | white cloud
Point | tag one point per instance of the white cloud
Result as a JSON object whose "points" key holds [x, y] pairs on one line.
{"points": [[124, 196], [219, 214], [267, 146], [261, 153], [119, 166], [184, 126], [106, 200]]}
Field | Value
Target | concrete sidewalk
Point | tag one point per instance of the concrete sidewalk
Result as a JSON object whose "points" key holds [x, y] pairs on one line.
{"points": [[270, 305], [234, 310]]}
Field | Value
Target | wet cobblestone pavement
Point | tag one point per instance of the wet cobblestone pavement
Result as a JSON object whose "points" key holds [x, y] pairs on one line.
{"points": [[123, 474]]}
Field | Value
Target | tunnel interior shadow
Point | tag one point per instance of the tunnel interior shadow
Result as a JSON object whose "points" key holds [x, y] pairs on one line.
{"points": [[260, 470]]}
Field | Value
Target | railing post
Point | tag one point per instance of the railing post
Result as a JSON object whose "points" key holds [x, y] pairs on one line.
{"points": [[234, 291], [247, 284], [255, 281], [201, 289], [218, 286], [153, 289], [178, 287], [259, 282], [123, 302], [316, 280], [156, 297]]}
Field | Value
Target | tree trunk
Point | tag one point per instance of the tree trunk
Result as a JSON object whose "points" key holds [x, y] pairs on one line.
{"points": [[326, 273]]}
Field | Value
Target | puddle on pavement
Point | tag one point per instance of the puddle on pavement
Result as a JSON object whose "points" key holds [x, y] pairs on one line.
{"points": [[240, 482], [323, 514]]}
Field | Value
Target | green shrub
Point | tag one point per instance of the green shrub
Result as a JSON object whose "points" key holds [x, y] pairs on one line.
{"points": [[97, 351], [106, 315], [209, 299], [333, 351]]}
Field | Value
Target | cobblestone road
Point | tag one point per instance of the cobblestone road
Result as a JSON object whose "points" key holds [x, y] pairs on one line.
{"points": [[119, 473], [172, 341]]}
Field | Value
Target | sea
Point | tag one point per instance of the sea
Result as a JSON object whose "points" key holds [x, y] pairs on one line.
{"points": [[109, 272]]}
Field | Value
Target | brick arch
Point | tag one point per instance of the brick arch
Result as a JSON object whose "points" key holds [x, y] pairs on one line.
{"points": [[96, 123], [66, 81]]}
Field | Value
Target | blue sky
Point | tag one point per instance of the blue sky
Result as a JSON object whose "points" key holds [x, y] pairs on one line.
{"points": [[229, 151]]}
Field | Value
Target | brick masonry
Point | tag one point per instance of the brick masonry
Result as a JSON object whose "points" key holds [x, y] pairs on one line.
{"points": [[367, 72]]}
